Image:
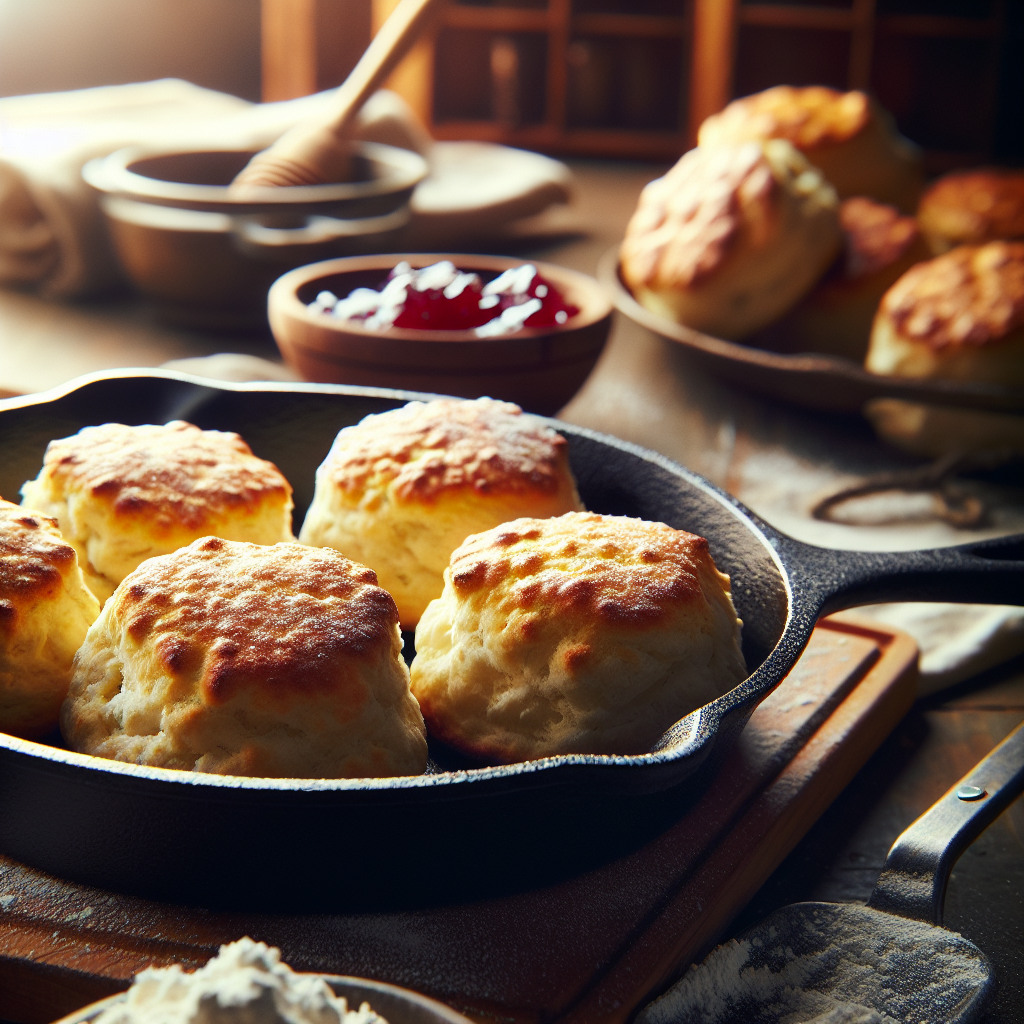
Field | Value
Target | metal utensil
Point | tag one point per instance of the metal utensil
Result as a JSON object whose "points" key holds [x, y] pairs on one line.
{"points": [[886, 961]]}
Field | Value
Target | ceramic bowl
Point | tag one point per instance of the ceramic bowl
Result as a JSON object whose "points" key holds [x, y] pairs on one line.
{"points": [[538, 368], [207, 258], [396, 1005]]}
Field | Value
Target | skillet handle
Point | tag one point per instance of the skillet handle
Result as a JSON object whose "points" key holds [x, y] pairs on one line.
{"points": [[985, 572], [915, 873]]}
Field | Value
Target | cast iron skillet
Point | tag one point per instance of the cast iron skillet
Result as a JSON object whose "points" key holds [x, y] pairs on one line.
{"points": [[449, 834]]}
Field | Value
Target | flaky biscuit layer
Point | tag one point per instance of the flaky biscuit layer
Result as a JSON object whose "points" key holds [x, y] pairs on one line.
{"points": [[45, 611], [402, 489], [246, 659], [123, 494], [578, 634]]}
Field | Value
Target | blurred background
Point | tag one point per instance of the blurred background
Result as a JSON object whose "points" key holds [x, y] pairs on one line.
{"points": [[630, 78]]}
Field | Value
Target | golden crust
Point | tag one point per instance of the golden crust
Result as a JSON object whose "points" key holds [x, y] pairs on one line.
{"points": [[248, 659], [847, 136], [876, 236], [34, 562], [807, 117], [633, 572], [402, 490], [973, 207], [970, 297], [581, 633], [424, 450], [45, 611], [688, 221], [214, 613], [169, 476]]}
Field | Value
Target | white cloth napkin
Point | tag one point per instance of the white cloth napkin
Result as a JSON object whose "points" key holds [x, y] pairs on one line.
{"points": [[52, 235]]}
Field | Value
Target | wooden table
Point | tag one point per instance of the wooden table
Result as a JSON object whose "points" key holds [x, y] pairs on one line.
{"points": [[645, 390]]}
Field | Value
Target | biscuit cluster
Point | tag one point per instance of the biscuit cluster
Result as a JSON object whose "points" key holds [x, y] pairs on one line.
{"points": [[401, 490], [741, 240], [124, 494], [261, 656]]}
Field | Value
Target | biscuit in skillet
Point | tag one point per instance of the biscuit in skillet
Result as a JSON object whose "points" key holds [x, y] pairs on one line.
{"points": [[123, 494], [45, 611], [580, 634], [273, 660]]}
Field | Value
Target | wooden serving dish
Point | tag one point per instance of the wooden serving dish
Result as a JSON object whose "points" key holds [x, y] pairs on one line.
{"points": [[811, 380], [207, 258], [538, 368]]}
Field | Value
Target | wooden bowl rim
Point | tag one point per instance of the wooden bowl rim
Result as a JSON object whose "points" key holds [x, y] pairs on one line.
{"points": [[111, 174], [585, 291]]}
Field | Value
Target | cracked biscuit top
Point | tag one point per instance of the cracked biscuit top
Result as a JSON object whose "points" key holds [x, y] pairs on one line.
{"points": [[173, 476], [583, 566], [446, 447], [876, 235], [34, 561], [807, 117], [974, 207], [234, 616], [969, 297]]}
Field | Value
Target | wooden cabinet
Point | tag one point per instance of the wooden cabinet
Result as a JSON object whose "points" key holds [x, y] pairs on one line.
{"points": [[636, 77]]}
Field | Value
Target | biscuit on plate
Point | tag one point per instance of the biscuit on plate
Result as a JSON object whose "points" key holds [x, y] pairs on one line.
{"points": [[971, 207], [846, 135], [275, 660], [45, 610], [124, 494], [731, 237], [581, 634], [959, 316], [401, 490], [835, 316]]}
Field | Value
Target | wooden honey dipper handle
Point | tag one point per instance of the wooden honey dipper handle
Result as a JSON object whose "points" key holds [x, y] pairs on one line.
{"points": [[316, 154]]}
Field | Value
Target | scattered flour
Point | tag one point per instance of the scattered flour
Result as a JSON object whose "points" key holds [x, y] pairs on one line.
{"points": [[246, 983], [828, 964]]}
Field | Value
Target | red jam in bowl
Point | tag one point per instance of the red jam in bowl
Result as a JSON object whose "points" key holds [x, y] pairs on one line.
{"points": [[443, 298]]}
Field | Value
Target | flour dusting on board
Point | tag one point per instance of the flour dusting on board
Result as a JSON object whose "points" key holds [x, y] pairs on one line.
{"points": [[819, 963]]}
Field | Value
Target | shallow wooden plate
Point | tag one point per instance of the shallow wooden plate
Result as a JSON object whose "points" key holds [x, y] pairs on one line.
{"points": [[811, 380]]}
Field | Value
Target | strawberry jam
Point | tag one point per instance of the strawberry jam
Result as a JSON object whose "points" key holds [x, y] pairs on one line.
{"points": [[443, 298]]}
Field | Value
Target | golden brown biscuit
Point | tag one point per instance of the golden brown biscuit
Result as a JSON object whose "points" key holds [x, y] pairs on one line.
{"points": [[245, 659], [581, 634], [957, 317], [971, 207], [401, 490], [124, 494], [846, 135], [835, 317], [731, 237], [45, 610]]}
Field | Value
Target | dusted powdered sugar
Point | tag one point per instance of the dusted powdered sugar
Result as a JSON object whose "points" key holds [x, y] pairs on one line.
{"points": [[245, 982]]}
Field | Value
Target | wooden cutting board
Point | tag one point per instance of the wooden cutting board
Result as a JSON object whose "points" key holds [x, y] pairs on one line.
{"points": [[587, 951]]}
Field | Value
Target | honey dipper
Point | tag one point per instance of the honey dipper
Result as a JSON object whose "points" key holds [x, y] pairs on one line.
{"points": [[319, 153]]}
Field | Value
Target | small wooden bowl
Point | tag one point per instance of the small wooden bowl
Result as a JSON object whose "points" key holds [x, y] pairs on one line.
{"points": [[539, 368]]}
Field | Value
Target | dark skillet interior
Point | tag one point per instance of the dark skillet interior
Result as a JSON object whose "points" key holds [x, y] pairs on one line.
{"points": [[467, 836]]}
